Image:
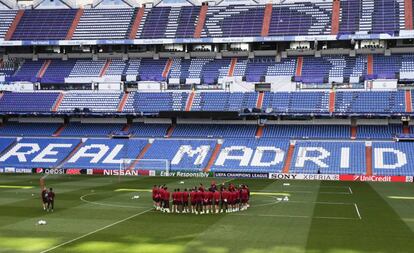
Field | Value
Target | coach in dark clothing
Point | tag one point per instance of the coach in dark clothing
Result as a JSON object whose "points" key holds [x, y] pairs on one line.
{"points": [[51, 200]]}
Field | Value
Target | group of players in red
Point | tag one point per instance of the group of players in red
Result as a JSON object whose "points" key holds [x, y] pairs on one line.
{"points": [[202, 201]]}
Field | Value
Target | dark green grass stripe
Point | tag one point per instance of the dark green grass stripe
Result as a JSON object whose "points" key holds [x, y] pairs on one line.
{"points": [[380, 230]]}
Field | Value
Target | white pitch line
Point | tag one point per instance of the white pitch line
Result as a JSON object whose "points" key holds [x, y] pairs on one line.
{"points": [[357, 210], [350, 190], [96, 231], [322, 203], [82, 198], [295, 216]]}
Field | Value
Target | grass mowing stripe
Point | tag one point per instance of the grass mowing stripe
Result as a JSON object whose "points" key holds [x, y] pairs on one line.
{"points": [[15, 187], [96, 231], [380, 230]]}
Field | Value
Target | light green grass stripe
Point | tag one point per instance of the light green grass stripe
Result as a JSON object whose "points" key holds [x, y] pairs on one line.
{"points": [[15, 187], [132, 190]]}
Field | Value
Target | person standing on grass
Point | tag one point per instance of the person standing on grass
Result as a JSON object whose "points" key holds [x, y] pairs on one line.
{"points": [[51, 200], [167, 197], [193, 200], [180, 200], [174, 199], [199, 200], [154, 195], [185, 201], [216, 197], [161, 195], [43, 195], [244, 198], [224, 200]]}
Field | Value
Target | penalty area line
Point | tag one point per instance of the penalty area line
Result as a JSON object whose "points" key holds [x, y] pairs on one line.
{"points": [[96, 231], [357, 210]]}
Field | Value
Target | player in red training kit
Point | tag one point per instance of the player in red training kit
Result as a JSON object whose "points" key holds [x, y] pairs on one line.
{"points": [[216, 197], [161, 196], [224, 200], [154, 196], [244, 196], [174, 203], [199, 200], [179, 201], [166, 199], [185, 201], [193, 200], [207, 199], [237, 199]]}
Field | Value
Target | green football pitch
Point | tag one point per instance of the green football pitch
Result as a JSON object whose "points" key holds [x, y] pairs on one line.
{"points": [[100, 214]]}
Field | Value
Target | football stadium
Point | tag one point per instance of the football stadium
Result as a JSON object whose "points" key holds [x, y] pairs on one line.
{"points": [[215, 126]]}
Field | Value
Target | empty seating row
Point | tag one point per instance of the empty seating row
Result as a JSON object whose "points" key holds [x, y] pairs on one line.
{"points": [[299, 132], [103, 102], [285, 103], [286, 19], [104, 24], [44, 24], [168, 22], [6, 19], [316, 70]]}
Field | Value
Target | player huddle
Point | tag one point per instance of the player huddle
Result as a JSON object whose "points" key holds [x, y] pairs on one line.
{"points": [[200, 200]]}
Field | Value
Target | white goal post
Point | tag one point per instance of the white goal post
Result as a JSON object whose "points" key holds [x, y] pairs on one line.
{"points": [[146, 164]]}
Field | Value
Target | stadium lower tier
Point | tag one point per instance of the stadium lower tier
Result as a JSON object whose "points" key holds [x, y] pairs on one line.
{"points": [[229, 155]]}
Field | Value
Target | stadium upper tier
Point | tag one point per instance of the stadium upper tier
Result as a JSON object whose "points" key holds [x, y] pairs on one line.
{"points": [[373, 103], [306, 18], [227, 155], [204, 70]]}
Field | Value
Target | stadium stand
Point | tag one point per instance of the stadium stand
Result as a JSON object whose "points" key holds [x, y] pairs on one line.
{"points": [[301, 18], [104, 24], [214, 130], [103, 102], [307, 131], [28, 129], [85, 129], [34, 159], [378, 132], [392, 159], [149, 130], [44, 24], [280, 88], [27, 72], [181, 153], [112, 152], [27, 102], [329, 158], [251, 155], [6, 19], [205, 70]]}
